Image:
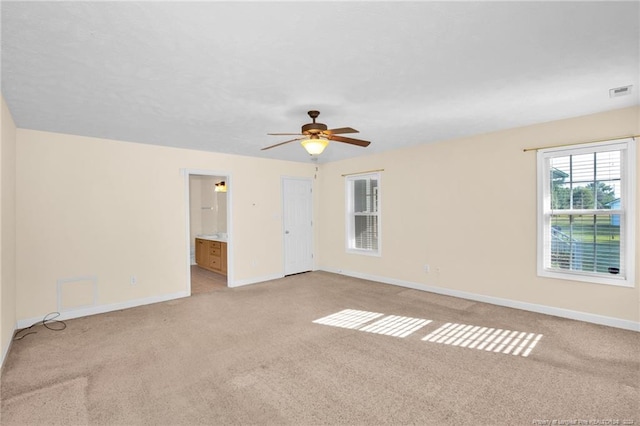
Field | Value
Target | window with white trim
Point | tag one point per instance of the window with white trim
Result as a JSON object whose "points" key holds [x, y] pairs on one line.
{"points": [[586, 202], [363, 213]]}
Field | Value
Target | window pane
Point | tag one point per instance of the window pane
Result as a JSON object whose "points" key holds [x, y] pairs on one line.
{"points": [[360, 195], [585, 181], [560, 190], [585, 243], [608, 194], [365, 198], [560, 181], [608, 165], [362, 213], [582, 196], [582, 168], [366, 232]]}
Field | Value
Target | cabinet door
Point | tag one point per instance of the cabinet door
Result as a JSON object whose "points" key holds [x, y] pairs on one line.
{"points": [[223, 258], [201, 252]]}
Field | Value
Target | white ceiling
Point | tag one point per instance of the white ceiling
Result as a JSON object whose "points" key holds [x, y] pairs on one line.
{"points": [[217, 76]]}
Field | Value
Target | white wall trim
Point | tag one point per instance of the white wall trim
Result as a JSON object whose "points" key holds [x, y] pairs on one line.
{"points": [[249, 281], [7, 347], [101, 309], [542, 309]]}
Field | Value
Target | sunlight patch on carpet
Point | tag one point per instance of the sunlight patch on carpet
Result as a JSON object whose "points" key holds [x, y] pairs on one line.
{"points": [[397, 326], [390, 325], [485, 338], [348, 318]]}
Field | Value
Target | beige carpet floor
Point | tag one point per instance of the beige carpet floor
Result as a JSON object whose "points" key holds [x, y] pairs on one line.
{"points": [[204, 281], [254, 355]]}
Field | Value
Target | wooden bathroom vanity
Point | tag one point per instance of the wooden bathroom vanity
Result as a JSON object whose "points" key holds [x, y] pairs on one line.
{"points": [[212, 255]]}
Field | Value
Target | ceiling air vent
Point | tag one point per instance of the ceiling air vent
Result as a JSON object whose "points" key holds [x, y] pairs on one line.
{"points": [[620, 91]]}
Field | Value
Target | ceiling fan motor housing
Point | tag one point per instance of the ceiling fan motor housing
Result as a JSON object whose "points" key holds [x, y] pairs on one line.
{"points": [[313, 128]]}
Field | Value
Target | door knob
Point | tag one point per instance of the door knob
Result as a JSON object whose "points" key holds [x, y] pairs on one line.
{"points": [[286, 232]]}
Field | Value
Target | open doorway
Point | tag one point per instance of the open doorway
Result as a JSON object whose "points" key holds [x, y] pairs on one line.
{"points": [[208, 231]]}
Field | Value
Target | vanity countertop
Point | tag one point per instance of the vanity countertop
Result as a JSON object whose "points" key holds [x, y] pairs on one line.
{"points": [[214, 237]]}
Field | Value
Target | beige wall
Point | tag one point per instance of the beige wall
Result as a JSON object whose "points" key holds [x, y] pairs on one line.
{"points": [[99, 208], [220, 209], [7, 229], [467, 207]]}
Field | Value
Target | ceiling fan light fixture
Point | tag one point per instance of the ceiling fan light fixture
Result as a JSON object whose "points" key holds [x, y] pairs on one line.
{"points": [[315, 146], [316, 136]]}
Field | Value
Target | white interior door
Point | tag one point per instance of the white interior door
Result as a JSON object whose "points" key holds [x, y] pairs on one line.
{"points": [[297, 225]]}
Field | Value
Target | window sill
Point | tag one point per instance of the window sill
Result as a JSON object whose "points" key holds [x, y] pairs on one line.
{"points": [[375, 253], [594, 279]]}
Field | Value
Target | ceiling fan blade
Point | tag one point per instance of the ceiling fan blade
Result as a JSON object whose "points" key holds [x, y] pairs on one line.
{"points": [[281, 143], [284, 134], [340, 131], [351, 141]]}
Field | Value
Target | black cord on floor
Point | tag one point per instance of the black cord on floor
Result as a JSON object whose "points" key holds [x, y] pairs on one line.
{"points": [[47, 321]]}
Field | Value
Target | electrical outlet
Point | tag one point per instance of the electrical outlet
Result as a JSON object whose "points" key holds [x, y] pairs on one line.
{"points": [[133, 280], [427, 269]]}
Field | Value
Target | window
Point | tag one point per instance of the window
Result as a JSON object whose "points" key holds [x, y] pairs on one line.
{"points": [[586, 212], [363, 213]]}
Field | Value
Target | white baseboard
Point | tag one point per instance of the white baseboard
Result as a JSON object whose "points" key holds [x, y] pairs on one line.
{"points": [[101, 309], [249, 281], [6, 348], [542, 309]]}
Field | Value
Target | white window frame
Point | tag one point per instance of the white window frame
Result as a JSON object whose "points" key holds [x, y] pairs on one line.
{"points": [[628, 208], [350, 214]]}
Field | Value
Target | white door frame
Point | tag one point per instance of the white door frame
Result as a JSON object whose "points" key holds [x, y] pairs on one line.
{"points": [[284, 252], [228, 179]]}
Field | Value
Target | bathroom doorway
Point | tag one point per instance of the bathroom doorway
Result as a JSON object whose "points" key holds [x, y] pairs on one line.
{"points": [[209, 248]]}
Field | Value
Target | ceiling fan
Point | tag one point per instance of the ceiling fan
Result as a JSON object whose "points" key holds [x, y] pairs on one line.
{"points": [[315, 136]]}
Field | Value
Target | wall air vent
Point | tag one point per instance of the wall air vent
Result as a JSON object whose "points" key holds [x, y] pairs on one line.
{"points": [[620, 91]]}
